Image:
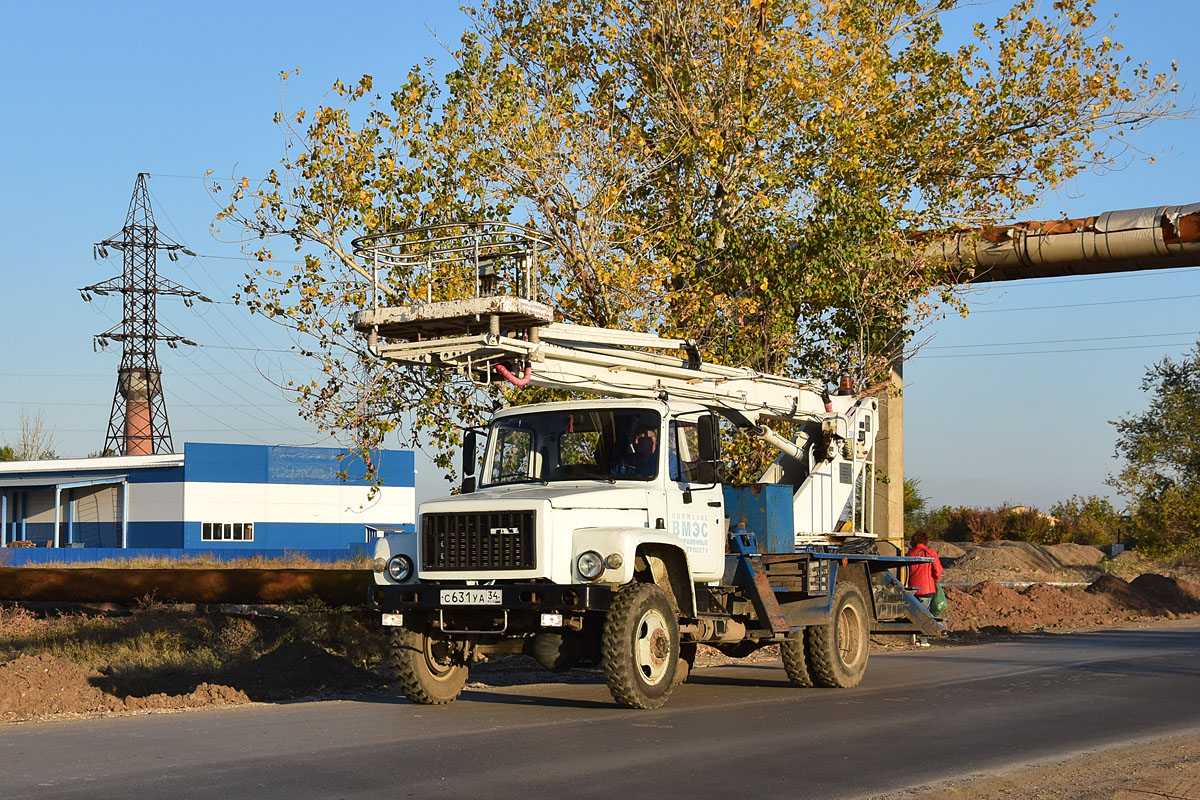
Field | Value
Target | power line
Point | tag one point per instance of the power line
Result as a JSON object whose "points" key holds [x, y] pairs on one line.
{"points": [[104, 405], [181, 430], [291, 351], [244, 409], [1028, 282], [76, 375], [255, 385], [919, 356], [1081, 305], [232, 324], [1057, 341]]}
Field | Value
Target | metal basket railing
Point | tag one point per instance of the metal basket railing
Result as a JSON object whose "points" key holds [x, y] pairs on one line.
{"points": [[454, 261]]}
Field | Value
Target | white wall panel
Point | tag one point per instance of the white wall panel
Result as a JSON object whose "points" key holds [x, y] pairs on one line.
{"points": [[274, 502]]}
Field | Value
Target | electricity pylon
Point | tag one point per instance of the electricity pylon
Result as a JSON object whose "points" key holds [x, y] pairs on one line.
{"points": [[138, 424]]}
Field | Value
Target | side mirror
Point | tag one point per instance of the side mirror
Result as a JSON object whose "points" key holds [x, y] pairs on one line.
{"points": [[468, 462]]}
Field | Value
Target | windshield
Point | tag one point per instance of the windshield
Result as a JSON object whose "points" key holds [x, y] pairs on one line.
{"points": [[604, 443]]}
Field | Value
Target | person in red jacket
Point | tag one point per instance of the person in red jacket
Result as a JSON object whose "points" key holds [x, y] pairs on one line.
{"points": [[922, 577]]}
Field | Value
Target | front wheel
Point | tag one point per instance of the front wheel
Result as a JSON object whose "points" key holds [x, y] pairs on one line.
{"points": [[640, 646], [837, 652], [431, 670]]}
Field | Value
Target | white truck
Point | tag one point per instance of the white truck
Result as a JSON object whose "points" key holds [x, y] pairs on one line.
{"points": [[600, 531]]}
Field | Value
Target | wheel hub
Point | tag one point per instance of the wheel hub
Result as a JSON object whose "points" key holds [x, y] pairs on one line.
{"points": [[439, 656], [652, 647], [849, 638]]}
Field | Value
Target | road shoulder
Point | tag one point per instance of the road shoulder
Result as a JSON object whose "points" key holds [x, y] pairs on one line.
{"points": [[1160, 768]]}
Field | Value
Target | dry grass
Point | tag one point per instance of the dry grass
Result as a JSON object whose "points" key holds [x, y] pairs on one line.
{"points": [[159, 639]]}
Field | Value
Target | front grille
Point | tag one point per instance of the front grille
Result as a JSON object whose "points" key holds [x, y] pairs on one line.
{"points": [[484, 540]]}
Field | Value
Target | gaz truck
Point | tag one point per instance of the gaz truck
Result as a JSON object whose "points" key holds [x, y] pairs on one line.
{"points": [[601, 531]]}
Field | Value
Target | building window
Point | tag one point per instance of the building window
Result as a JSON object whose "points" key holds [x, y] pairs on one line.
{"points": [[227, 532]]}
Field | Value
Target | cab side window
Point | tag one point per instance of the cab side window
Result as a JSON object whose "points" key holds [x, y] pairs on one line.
{"points": [[694, 449], [685, 450]]}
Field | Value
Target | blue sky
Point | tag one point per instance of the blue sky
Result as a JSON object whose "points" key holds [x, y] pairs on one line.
{"points": [[95, 93]]}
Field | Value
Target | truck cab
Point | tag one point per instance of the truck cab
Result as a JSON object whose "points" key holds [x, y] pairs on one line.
{"points": [[573, 501], [568, 493]]}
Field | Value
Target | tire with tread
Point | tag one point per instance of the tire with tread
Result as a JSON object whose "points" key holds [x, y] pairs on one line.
{"points": [[837, 652], [795, 662], [640, 646], [428, 672], [687, 661], [557, 652]]}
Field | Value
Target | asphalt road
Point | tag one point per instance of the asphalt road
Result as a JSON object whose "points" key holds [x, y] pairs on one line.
{"points": [[919, 717]]}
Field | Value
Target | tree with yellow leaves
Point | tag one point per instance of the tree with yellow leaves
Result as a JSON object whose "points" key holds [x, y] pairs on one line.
{"points": [[753, 174]]}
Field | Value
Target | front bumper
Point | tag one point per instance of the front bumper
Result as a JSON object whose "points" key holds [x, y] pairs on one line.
{"points": [[514, 597]]}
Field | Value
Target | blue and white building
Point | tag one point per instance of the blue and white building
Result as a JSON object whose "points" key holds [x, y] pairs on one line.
{"points": [[212, 497]]}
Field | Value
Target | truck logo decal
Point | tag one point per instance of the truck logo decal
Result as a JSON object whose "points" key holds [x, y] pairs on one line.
{"points": [[693, 530], [506, 531]]}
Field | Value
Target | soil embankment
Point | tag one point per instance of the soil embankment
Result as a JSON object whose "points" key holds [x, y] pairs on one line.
{"points": [[56, 661]]}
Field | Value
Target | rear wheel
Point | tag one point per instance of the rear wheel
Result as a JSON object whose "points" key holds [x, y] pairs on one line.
{"points": [[837, 652], [431, 670], [641, 646], [795, 663]]}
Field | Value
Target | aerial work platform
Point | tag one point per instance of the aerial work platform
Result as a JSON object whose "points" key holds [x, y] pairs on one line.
{"points": [[450, 318]]}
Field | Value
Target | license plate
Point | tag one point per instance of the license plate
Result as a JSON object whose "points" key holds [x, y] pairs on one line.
{"points": [[471, 597], [393, 620]]}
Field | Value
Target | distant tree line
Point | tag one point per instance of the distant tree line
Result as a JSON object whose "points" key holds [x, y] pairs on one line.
{"points": [[1082, 520], [1159, 478]]}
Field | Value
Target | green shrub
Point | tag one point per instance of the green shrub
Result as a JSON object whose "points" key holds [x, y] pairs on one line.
{"points": [[1087, 520]]}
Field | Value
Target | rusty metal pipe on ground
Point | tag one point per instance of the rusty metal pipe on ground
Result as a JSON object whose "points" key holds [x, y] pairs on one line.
{"points": [[335, 587]]}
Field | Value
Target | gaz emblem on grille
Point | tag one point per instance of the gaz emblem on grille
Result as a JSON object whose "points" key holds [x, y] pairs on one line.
{"points": [[506, 531]]}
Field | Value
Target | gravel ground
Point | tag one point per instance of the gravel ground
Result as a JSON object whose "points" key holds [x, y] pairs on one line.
{"points": [[1164, 768]]}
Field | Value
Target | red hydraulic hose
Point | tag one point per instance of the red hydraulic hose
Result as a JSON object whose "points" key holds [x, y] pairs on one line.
{"points": [[513, 379]]}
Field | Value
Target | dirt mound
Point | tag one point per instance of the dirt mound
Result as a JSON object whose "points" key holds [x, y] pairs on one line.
{"points": [[1054, 608], [39, 685], [1122, 593], [1076, 555], [206, 694], [1040, 558], [988, 605], [295, 669], [991, 607], [1023, 561], [1002, 599], [1172, 594], [1003, 561], [34, 686], [948, 550], [1108, 600]]}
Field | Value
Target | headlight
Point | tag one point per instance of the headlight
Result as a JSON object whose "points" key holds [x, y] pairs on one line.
{"points": [[400, 568], [379, 564], [590, 564]]}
